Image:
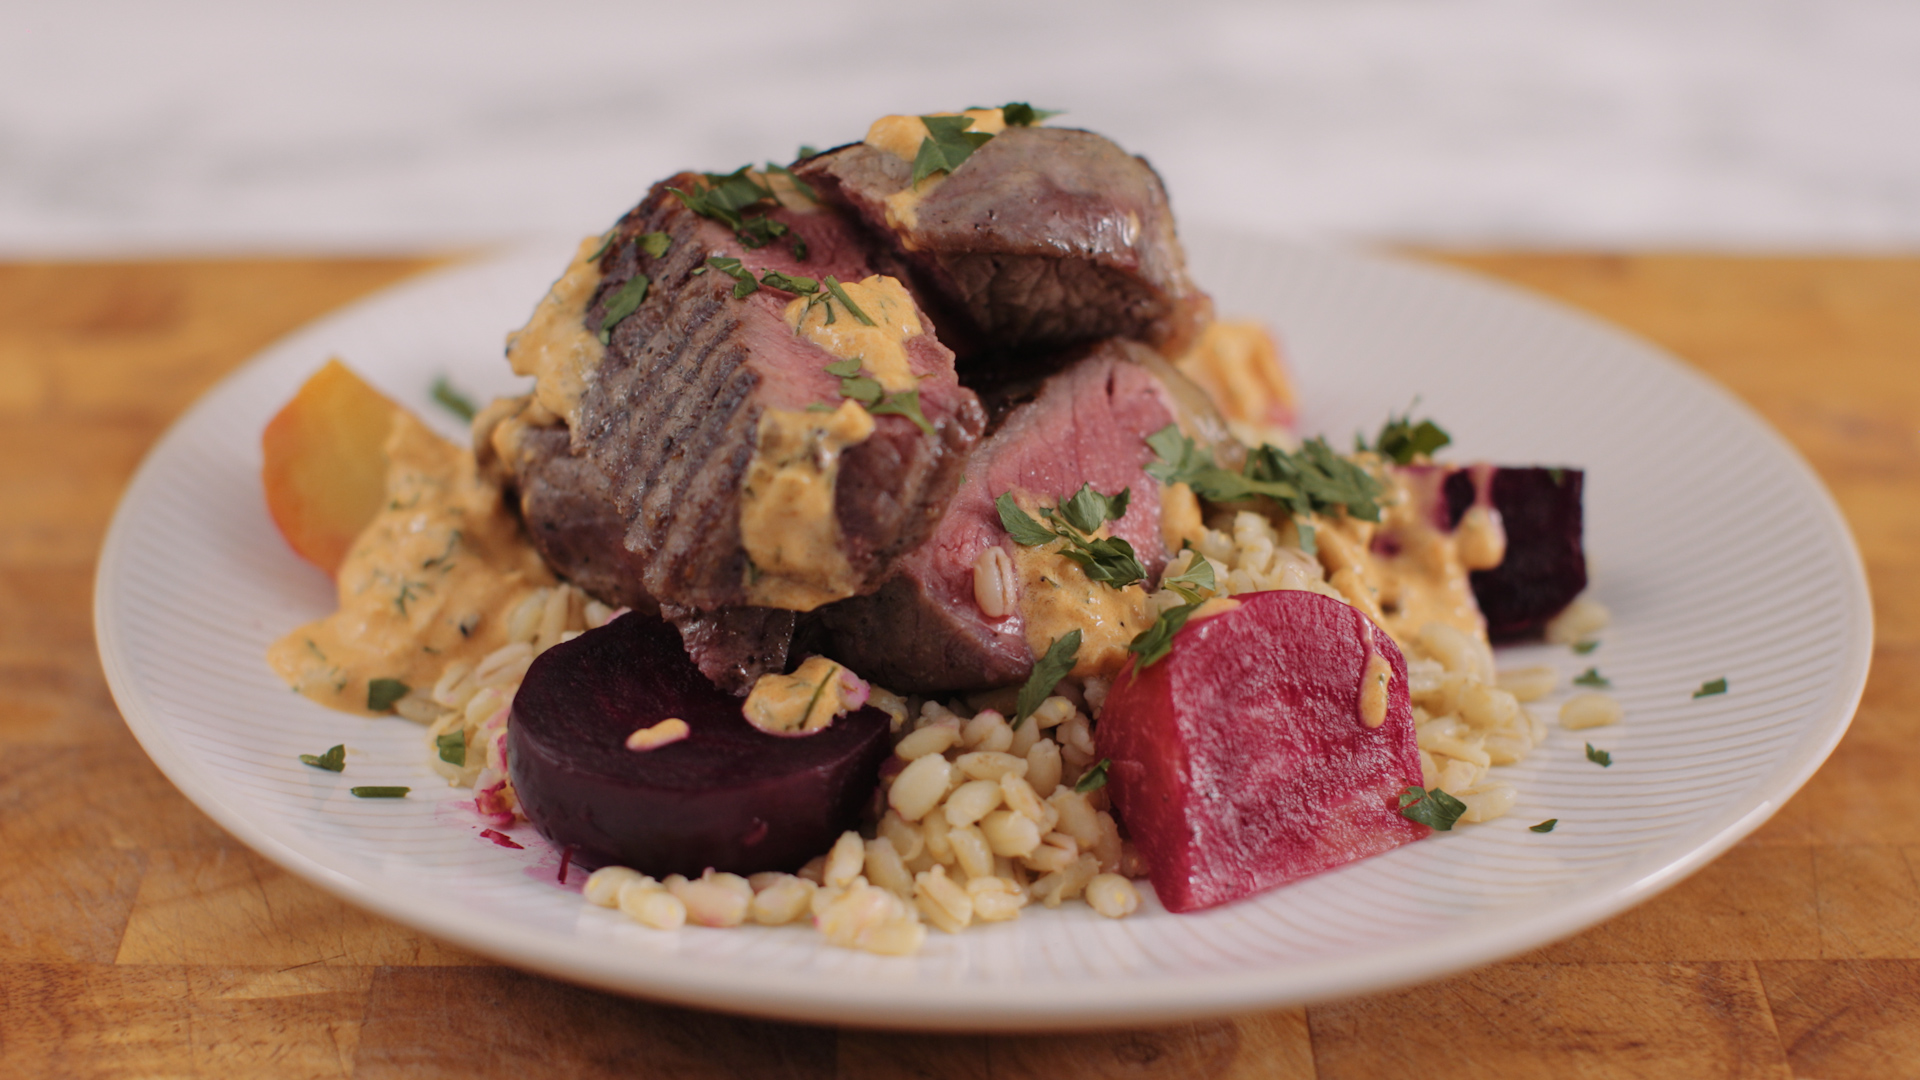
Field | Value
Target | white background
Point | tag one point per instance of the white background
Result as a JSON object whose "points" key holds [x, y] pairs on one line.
{"points": [[381, 125]]}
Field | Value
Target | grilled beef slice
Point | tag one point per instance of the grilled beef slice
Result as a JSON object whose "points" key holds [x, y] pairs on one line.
{"points": [[1042, 236], [671, 417], [923, 632], [568, 510]]}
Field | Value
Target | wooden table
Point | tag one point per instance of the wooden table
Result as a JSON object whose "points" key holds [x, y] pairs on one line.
{"points": [[137, 939]]}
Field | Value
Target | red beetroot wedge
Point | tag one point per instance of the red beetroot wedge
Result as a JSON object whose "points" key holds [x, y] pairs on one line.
{"points": [[1241, 759], [729, 795]]}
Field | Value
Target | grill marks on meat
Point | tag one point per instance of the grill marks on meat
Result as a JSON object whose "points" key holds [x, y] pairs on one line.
{"points": [[1043, 236], [671, 419], [923, 632]]}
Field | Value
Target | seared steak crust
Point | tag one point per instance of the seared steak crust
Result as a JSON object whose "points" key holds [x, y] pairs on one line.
{"points": [[1043, 236], [672, 416]]}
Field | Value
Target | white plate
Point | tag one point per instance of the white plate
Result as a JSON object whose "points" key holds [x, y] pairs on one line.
{"points": [[1717, 549]]}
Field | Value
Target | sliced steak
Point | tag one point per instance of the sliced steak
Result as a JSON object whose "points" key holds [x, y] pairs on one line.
{"points": [[672, 416], [568, 510], [1042, 236], [923, 631]]}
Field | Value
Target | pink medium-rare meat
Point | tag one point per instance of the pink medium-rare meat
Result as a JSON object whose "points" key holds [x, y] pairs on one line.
{"points": [[1041, 237], [923, 631], [1241, 759]]}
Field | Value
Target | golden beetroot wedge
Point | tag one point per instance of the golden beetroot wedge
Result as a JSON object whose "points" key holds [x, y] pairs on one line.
{"points": [[1244, 759], [324, 463]]}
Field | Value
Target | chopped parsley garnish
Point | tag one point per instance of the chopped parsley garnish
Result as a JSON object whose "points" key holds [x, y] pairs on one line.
{"points": [[1431, 807], [1582, 648], [1107, 559], [655, 243], [605, 243], [451, 399], [452, 747], [334, 760], [728, 198], [1402, 440], [806, 152], [904, 403], [846, 301], [380, 792], [948, 143], [1712, 687], [1545, 826], [1592, 677], [1189, 583], [382, 693], [1557, 476], [1599, 757], [1093, 779], [1021, 114], [1047, 673], [799, 185], [624, 302], [1156, 641], [1314, 480], [743, 283]]}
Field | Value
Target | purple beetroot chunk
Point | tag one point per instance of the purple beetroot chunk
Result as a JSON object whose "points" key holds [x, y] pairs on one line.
{"points": [[1241, 761], [1545, 567], [729, 796]]}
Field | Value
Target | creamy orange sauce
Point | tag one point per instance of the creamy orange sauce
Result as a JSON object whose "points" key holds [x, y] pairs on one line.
{"points": [[1424, 581], [901, 136], [1181, 522], [1238, 365], [554, 346], [423, 583], [800, 703], [882, 347], [1056, 597], [787, 522]]}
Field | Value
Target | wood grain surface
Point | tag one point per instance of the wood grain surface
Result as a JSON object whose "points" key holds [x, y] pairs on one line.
{"points": [[139, 940]]}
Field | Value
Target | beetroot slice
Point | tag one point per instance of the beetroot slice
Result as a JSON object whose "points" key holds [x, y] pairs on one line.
{"points": [[1240, 759], [728, 796], [1546, 566]]}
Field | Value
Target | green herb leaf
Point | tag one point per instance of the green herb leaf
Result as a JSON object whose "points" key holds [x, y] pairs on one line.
{"points": [[1431, 807], [1545, 826], [1402, 440], [655, 243], [382, 693], [840, 294], [605, 243], [1599, 757], [905, 403], [948, 143], [863, 390], [334, 760], [1592, 677], [380, 792], [623, 303], [727, 198], [743, 283], [845, 369], [1047, 673], [1582, 648], [1019, 524], [1021, 114], [1191, 582], [1108, 559], [1093, 779], [1712, 687], [806, 152], [1314, 480], [1087, 509], [1156, 641], [799, 185], [453, 748], [795, 284], [452, 399]]}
